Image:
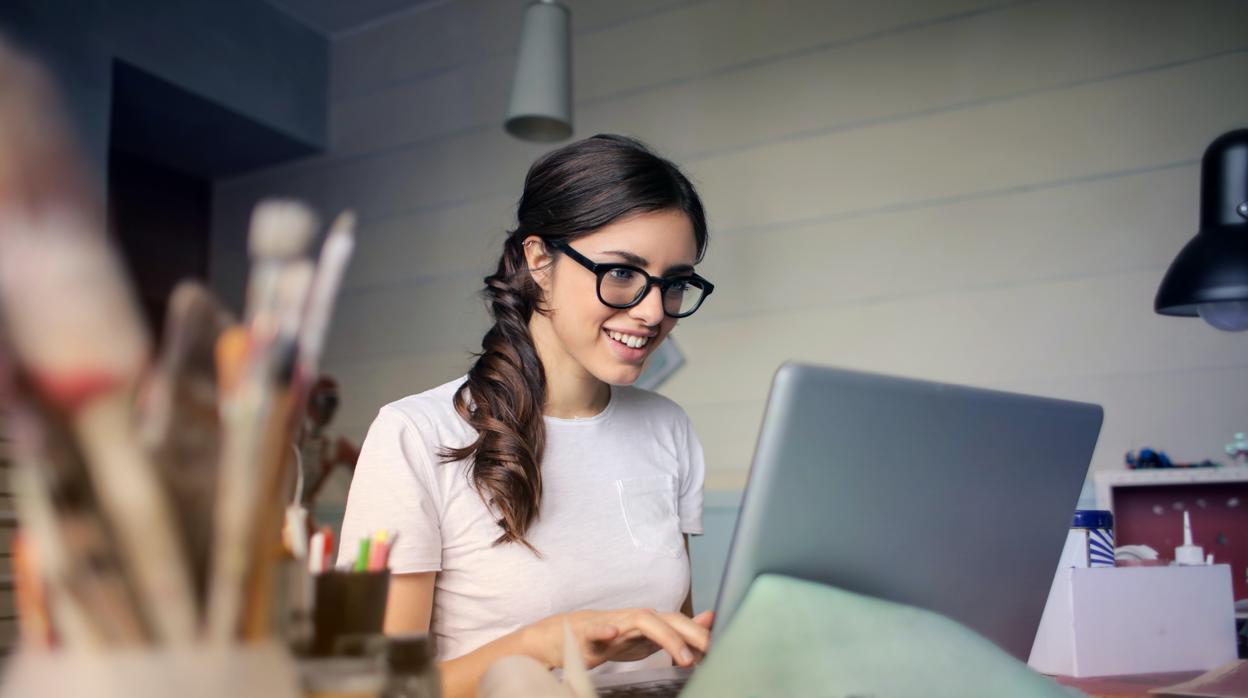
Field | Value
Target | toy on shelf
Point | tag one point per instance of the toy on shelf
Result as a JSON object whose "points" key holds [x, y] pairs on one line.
{"points": [[1152, 459]]}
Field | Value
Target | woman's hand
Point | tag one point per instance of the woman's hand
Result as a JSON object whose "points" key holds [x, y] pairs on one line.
{"points": [[621, 636]]}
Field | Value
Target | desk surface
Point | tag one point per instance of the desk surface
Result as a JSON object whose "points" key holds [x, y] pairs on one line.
{"points": [[1126, 686]]}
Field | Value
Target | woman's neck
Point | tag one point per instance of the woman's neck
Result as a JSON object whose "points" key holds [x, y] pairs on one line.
{"points": [[569, 399], [571, 391]]}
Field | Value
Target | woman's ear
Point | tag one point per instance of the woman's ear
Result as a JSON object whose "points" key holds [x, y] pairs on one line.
{"points": [[539, 260]]}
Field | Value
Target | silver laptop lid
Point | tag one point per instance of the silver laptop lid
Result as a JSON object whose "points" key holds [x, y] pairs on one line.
{"points": [[949, 498]]}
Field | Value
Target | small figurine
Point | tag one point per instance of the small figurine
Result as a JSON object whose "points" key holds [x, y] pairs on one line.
{"points": [[1150, 459], [322, 454]]}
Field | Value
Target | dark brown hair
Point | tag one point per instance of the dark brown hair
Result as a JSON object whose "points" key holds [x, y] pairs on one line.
{"points": [[568, 193]]}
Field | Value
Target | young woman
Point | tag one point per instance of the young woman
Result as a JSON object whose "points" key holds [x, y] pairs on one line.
{"points": [[542, 488]]}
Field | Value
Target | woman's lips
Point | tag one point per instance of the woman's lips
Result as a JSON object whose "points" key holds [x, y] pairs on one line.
{"points": [[626, 352]]}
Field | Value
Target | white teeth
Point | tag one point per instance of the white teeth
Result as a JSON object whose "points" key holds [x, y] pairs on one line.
{"points": [[628, 339]]}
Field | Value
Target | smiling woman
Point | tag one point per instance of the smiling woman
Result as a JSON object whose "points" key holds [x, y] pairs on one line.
{"points": [[542, 487]]}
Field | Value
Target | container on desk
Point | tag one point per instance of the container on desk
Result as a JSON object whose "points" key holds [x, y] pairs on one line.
{"points": [[1108, 621], [348, 609], [1090, 542], [397, 666], [413, 667]]}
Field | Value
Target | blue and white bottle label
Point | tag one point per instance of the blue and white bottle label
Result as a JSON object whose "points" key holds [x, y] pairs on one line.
{"points": [[1100, 547]]}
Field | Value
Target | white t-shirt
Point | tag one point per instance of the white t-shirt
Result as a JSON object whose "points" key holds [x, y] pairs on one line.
{"points": [[618, 490]]}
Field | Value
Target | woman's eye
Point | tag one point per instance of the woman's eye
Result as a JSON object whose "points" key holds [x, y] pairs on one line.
{"points": [[622, 274]]}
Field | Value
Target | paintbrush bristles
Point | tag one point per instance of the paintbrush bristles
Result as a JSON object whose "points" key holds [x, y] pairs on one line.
{"points": [[281, 229], [69, 310]]}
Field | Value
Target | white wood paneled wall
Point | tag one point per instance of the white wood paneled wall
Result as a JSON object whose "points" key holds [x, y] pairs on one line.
{"points": [[963, 190]]}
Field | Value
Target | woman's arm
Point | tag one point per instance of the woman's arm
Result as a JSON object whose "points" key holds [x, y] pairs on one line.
{"points": [[687, 607], [461, 675], [605, 635], [408, 609], [409, 603]]}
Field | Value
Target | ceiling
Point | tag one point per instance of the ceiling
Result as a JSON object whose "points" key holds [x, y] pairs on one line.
{"points": [[331, 17]]}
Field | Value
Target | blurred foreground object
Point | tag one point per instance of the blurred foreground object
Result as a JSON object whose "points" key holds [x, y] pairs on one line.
{"points": [[149, 487], [80, 350], [524, 677], [793, 637]]}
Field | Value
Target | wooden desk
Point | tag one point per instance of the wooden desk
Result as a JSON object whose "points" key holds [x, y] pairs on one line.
{"points": [[1126, 686]]}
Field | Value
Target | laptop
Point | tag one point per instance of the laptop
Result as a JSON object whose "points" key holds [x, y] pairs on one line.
{"points": [[904, 489]]}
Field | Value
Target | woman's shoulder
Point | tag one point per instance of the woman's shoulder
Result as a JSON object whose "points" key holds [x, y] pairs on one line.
{"points": [[650, 403], [433, 408]]}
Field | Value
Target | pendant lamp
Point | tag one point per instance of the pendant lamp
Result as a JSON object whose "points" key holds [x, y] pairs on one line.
{"points": [[541, 93]]}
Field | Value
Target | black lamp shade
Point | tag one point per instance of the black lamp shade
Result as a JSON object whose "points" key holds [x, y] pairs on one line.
{"points": [[1213, 266]]}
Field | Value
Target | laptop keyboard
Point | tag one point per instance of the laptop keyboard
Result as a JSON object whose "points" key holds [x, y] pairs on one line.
{"points": [[654, 689]]}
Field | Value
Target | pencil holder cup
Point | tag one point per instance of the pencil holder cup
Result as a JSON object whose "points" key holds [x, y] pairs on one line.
{"points": [[349, 608], [264, 670]]}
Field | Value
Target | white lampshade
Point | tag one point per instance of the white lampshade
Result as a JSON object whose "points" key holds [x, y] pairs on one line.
{"points": [[541, 93]]}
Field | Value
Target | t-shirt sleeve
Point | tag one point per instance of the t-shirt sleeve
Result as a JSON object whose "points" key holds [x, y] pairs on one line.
{"points": [[394, 488], [692, 478]]}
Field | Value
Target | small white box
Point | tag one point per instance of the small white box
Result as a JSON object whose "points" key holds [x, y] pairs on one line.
{"points": [[1108, 621]]}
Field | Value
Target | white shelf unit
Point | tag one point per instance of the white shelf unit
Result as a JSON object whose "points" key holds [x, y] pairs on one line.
{"points": [[1107, 480]]}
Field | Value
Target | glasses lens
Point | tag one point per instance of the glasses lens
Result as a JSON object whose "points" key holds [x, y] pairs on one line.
{"points": [[624, 286], [683, 296], [621, 286]]}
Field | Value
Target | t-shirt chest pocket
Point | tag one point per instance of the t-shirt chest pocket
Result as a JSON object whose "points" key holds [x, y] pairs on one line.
{"points": [[648, 505]]}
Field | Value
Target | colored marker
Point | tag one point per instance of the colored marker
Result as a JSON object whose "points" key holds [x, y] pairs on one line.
{"points": [[379, 551], [361, 557], [328, 555], [385, 559]]}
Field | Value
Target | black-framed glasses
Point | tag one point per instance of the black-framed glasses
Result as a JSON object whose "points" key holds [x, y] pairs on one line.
{"points": [[622, 286]]}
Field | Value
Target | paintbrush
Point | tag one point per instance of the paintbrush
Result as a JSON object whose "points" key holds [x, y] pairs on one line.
{"points": [[275, 471], [267, 547], [178, 420], [77, 335], [87, 593], [306, 347], [250, 406], [81, 342]]}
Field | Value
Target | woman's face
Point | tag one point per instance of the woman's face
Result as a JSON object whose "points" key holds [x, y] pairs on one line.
{"points": [[586, 330]]}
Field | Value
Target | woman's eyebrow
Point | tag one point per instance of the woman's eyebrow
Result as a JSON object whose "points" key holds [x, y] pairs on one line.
{"points": [[629, 257], [639, 261]]}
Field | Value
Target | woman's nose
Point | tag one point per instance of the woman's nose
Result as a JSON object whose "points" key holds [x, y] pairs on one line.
{"points": [[650, 309]]}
